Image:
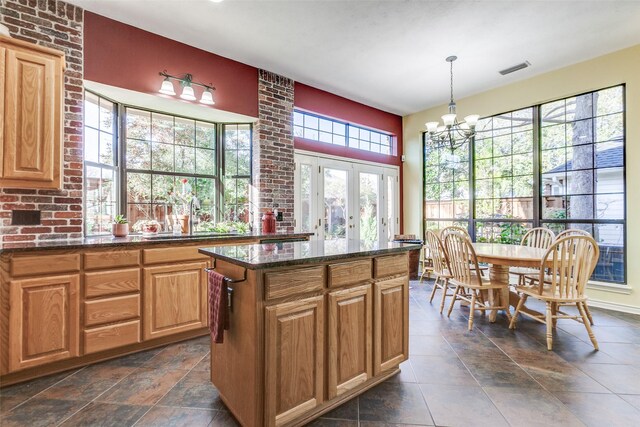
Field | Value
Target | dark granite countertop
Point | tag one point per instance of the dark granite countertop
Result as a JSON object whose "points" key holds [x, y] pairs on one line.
{"points": [[110, 241], [268, 255]]}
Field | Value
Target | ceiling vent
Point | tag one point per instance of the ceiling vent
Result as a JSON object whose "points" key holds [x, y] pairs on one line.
{"points": [[515, 68]]}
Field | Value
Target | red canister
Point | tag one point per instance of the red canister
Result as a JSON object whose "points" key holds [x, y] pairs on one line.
{"points": [[268, 222]]}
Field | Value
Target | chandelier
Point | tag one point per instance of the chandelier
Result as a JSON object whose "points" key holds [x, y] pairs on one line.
{"points": [[187, 83], [452, 133]]}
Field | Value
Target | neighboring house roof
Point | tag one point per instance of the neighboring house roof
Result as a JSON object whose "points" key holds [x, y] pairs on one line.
{"points": [[604, 159]]}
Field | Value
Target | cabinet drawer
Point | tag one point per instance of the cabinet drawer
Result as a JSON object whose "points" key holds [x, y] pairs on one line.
{"points": [[291, 282], [111, 282], [112, 336], [390, 265], [182, 253], [109, 310], [44, 264], [111, 259], [349, 273]]}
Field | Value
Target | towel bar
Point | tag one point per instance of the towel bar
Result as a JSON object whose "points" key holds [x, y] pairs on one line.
{"points": [[230, 289]]}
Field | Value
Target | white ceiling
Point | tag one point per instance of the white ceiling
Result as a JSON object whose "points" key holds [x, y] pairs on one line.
{"points": [[390, 54]]}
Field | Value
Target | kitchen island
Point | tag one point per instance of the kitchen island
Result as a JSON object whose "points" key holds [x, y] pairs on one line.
{"points": [[312, 324]]}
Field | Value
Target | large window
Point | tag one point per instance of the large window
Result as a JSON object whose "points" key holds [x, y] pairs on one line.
{"points": [[558, 165], [134, 163], [100, 141], [323, 129]]}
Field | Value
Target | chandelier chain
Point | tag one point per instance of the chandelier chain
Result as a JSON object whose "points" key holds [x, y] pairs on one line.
{"points": [[451, 63]]}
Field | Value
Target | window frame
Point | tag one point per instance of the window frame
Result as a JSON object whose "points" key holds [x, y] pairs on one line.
{"points": [[538, 196], [347, 137]]}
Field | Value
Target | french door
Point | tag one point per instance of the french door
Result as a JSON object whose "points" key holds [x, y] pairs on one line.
{"points": [[338, 199]]}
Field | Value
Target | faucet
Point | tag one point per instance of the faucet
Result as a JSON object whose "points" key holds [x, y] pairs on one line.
{"points": [[194, 204]]}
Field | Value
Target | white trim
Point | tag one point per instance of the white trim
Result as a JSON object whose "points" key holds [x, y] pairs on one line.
{"points": [[347, 159], [610, 287], [614, 306]]}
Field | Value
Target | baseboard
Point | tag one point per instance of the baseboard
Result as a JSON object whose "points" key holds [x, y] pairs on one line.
{"points": [[614, 306]]}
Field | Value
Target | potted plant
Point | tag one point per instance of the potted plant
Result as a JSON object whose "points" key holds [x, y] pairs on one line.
{"points": [[120, 226]]}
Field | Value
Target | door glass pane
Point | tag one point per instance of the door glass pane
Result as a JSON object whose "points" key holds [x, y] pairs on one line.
{"points": [[391, 197], [369, 194], [335, 203], [305, 198]]}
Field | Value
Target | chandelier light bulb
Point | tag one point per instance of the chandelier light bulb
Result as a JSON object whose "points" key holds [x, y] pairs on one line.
{"points": [[167, 87], [188, 93], [207, 97]]}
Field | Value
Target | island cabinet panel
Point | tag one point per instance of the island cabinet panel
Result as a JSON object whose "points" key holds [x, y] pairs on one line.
{"points": [[44, 320], [349, 341], [391, 265], [294, 347], [295, 281], [32, 115], [175, 299], [349, 273], [391, 323]]}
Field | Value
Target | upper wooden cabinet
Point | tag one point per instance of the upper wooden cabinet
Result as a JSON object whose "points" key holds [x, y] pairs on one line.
{"points": [[31, 96]]}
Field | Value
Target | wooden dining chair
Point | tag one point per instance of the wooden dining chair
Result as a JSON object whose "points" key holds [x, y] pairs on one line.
{"points": [[440, 263], [561, 281], [572, 232], [539, 237], [469, 286], [426, 263], [577, 232], [457, 229]]}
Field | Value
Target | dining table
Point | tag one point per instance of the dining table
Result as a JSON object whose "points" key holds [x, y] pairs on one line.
{"points": [[500, 258]]}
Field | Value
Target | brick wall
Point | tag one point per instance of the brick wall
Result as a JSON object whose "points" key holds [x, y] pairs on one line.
{"points": [[58, 25], [273, 160]]}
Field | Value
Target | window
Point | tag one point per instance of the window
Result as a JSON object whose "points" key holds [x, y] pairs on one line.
{"points": [[237, 172], [132, 165], [558, 165], [100, 179], [161, 151], [322, 129]]}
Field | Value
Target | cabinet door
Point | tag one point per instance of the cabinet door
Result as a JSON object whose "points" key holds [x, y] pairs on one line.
{"points": [[294, 359], [350, 333], [32, 119], [391, 324], [44, 320], [175, 299]]}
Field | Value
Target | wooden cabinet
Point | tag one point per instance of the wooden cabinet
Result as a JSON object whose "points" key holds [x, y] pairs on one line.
{"points": [[294, 353], [349, 329], [31, 115], [391, 323], [175, 299], [43, 320]]}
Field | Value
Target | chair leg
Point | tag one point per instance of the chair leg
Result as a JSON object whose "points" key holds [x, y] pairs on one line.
{"points": [[585, 320], [453, 301], [554, 312], [505, 303], [472, 309], [514, 318], [588, 313], [549, 322], [445, 289], [433, 291]]}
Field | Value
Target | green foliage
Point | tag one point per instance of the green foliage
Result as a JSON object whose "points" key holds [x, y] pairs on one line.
{"points": [[224, 227], [120, 219]]}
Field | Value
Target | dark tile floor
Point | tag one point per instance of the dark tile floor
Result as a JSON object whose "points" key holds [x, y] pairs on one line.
{"points": [[491, 376]]}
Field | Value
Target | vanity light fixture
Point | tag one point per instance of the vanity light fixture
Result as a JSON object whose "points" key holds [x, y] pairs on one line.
{"points": [[187, 83]]}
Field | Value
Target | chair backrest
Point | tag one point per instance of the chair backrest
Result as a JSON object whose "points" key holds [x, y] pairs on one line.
{"points": [[568, 265], [538, 238], [437, 252], [454, 229], [572, 232], [462, 258]]}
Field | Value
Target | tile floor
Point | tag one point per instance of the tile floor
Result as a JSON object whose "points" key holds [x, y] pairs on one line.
{"points": [[491, 376]]}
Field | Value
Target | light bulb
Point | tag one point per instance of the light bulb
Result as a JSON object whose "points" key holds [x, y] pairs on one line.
{"points": [[431, 126], [472, 120], [188, 94], [167, 87], [207, 97], [449, 119]]}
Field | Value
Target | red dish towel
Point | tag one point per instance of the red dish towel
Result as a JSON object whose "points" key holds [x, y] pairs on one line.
{"points": [[218, 312]]}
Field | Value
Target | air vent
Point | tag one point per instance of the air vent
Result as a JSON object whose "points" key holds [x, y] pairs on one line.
{"points": [[515, 68]]}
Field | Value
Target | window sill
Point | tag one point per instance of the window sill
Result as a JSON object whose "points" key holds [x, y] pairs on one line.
{"points": [[610, 287]]}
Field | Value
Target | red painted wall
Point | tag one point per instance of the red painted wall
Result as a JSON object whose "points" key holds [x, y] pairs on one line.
{"points": [[337, 107], [120, 55]]}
